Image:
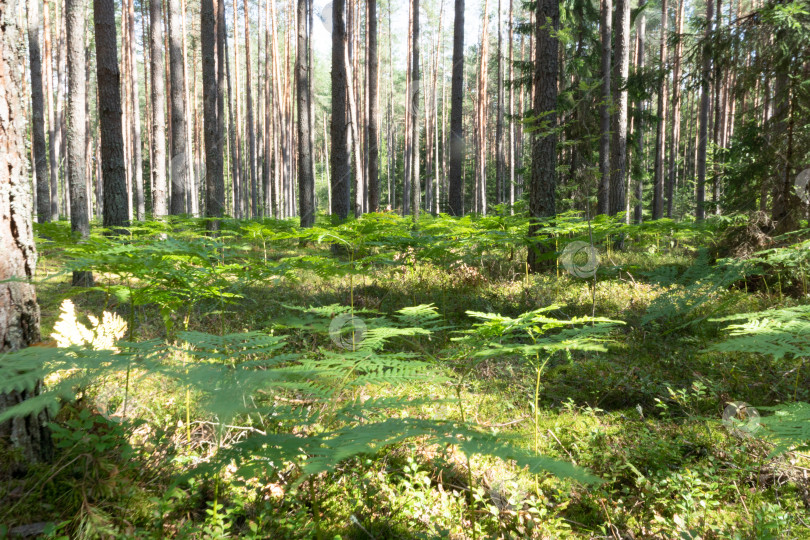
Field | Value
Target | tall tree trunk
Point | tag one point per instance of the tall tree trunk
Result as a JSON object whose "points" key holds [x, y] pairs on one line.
{"points": [[218, 203], [19, 312], [544, 144], [179, 159], [108, 77], [639, 161], [482, 118], [372, 78], [705, 77], [61, 84], [249, 126], [620, 73], [511, 156], [160, 201], [214, 186], [675, 127], [52, 146], [455, 197], [268, 113], [38, 116], [340, 162], [660, 142], [137, 148], [306, 178], [500, 161], [79, 211], [416, 192], [606, 24]]}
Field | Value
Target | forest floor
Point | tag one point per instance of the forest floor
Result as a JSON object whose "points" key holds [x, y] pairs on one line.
{"points": [[642, 411]]}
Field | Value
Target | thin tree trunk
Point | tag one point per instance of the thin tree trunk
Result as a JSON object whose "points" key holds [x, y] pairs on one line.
{"points": [[638, 160], [109, 112], [160, 206], [137, 154], [249, 125], [340, 162], [213, 163], [481, 120], [544, 146], [79, 217], [660, 133], [700, 161], [373, 108], [675, 127], [306, 178], [38, 116], [500, 160], [416, 195], [620, 73], [455, 197], [179, 150], [53, 146], [603, 198], [511, 157]]}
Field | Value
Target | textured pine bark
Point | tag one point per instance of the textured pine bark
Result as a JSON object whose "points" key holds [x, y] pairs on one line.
{"points": [[703, 132], [109, 111], [373, 109], [544, 144], [340, 162], [38, 116], [606, 24], [19, 312], [76, 126], [456, 199], [306, 178], [621, 69], [179, 159], [158, 166]]}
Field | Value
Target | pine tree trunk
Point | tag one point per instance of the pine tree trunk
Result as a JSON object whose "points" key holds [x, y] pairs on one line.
{"points": [[660, 142], [500, 164], [511, 156], [109, 112], [38, 116], [52, 146], [544, 144], [160, 206], [137, 149], [213, 163], [700, 161], [416, 192], [179, 159], [639, 159], [606, 24], [482, 119], [675, 127], [79, 211], [619, 91], [455, 197], [250, 127], [340, 162], [373, 108], [19, 312], [306, 178]]}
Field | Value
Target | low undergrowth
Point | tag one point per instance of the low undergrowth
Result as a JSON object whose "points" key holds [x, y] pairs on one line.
{"points": [[417, 383]]}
